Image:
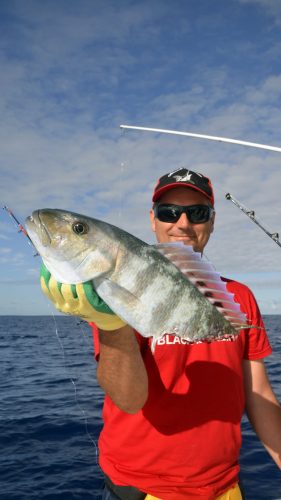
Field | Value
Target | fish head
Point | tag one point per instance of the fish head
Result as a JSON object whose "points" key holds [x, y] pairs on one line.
{"points": [[75, 248]]}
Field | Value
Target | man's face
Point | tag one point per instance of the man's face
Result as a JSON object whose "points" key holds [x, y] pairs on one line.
{"points": [[196, 235]]}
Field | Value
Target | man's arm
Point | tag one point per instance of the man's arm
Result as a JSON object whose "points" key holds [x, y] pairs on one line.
{"points": [[263, 409], [121, 372]]}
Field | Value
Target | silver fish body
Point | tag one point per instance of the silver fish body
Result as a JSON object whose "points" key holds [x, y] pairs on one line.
{"points": [[156, 289]]}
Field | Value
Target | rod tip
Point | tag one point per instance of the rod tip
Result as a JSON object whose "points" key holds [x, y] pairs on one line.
{"points": [[228, 196]]}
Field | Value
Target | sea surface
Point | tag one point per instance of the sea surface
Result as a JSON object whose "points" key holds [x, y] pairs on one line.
{"points": [[50, 413]]}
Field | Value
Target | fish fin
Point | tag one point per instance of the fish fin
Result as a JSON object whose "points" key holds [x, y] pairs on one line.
{"points": [[203, 275], [115, 296]]}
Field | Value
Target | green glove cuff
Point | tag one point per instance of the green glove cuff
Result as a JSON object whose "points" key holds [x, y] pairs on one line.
{"points": [[93, 298]]}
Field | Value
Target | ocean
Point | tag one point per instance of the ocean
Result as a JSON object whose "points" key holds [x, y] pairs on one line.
{"points": [[50, 413]]}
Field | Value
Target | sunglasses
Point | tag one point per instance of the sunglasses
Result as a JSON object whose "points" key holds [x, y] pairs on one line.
{"points": [[196, 214]]}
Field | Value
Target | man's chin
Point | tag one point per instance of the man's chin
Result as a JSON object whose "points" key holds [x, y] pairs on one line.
{"points": [[185, 241]]}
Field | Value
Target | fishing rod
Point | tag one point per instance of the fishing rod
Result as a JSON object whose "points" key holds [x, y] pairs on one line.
{"points": [[203, 136], [251, 215], [20, 226]]}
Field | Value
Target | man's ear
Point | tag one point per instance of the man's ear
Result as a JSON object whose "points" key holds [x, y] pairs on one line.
{"points": [[213, 222], [152, 219]]}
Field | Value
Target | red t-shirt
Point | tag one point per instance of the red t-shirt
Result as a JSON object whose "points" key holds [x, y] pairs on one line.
{"points": [[185, 442]]}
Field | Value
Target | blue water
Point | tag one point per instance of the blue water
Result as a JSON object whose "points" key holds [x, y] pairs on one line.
{"points": [[50, 413]]}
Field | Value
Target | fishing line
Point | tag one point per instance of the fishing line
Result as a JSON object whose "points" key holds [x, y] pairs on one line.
{"points": [[121, 202], [21, 228], [82, 411]]}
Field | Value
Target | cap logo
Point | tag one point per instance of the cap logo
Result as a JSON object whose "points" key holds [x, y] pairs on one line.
{"points": [[181, 178]]}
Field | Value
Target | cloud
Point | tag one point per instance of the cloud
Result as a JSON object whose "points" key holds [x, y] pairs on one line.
{"points": [[8, 256], [18, 282], [83, 170], [5, 250], [271, 7], [275, 306], [72, 73]]}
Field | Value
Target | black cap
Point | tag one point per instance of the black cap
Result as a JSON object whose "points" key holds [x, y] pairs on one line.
{"points": [[184, 177]]}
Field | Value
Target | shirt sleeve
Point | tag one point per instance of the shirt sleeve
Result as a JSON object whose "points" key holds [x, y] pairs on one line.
{"points": [[257, 345]]}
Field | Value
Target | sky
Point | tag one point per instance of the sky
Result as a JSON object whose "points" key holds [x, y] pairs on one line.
{"points": [[73, 71]]}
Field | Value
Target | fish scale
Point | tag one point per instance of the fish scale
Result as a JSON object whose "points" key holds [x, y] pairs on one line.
{"points": [[157, 289]]}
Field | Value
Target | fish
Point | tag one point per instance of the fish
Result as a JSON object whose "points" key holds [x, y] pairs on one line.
{"points": [[166, 288]]}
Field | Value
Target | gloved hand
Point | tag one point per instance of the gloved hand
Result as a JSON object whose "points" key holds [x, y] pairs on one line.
{"points": [[79, 300]]}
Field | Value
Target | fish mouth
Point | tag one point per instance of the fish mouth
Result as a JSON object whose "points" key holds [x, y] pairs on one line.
{"points": [[35, 223]]}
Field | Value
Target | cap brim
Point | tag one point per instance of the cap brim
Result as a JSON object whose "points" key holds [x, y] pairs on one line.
{"points": [[166, 188]]}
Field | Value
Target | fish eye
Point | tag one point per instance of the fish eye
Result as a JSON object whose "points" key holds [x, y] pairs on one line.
{"points": [[80, 228]]}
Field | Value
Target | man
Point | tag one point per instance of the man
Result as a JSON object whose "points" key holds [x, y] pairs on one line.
{"points": [[172, 418]]}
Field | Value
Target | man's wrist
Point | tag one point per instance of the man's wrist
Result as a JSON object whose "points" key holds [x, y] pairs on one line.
{"points": [[123, 337]]}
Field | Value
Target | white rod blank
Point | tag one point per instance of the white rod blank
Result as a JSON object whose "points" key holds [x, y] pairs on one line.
{"points": [[203, 136]]}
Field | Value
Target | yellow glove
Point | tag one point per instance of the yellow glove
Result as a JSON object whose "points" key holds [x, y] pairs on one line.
{"points": [[79, 300]]}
